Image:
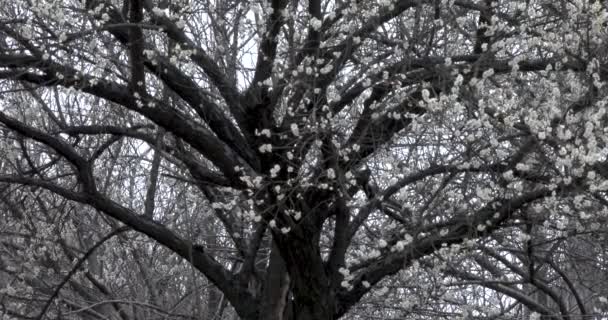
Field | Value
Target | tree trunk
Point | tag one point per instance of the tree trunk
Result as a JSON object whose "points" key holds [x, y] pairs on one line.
{"points": [[276, 288], [313, 294]]}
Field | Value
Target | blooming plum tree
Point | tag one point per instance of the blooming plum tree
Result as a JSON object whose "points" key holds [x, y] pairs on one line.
{"points": [[305, 160]]}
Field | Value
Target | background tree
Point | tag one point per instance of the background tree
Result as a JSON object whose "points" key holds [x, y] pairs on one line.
{"points": [[302, 159]]}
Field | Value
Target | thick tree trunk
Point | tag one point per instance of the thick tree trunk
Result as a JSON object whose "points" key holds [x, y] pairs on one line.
{"points": [[276, 288], [317, 311], [312, 290]]}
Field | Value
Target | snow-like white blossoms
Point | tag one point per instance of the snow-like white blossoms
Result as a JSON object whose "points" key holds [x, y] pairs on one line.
{"points": [[382, 243], [326, 69], [265, 148], [274, 171], [158, 11], [331, 173], [294, 129], [315, 23]]}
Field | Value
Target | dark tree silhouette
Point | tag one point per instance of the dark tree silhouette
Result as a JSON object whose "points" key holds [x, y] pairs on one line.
{"points": [[306, 157]]}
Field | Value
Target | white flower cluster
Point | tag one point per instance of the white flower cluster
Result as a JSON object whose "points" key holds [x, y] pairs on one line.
{"points": [[315, 23], [400, 245], [347, 278]]}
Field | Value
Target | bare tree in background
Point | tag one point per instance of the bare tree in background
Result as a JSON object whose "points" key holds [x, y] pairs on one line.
{"points": [[302, 159]]}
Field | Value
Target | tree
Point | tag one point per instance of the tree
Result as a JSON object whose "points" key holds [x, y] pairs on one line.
{"points": [[300, 155]]}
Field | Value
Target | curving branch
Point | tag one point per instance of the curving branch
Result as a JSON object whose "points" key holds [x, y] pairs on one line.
{"points": [[230, 284], [199, 137], [77, 266], [496, 213]]}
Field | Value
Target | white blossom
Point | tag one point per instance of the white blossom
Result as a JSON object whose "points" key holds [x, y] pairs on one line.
{"points": [[265, 148], [275, 170], [315, 23], [331, 174]]}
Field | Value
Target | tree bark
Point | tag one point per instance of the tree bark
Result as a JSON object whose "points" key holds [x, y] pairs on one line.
{"points": [[276, 288], [313, 294]]}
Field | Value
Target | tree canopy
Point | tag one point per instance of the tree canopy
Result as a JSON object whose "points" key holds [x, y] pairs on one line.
{"points": [[303, 160]]}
